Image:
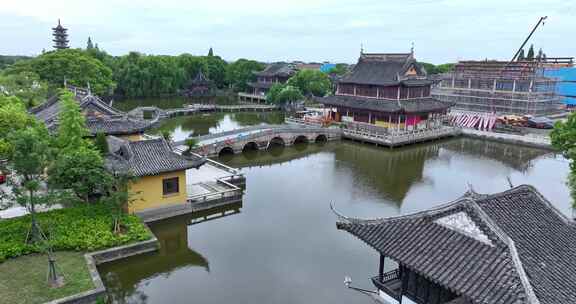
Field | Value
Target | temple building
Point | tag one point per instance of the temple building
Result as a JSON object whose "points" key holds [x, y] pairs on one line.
{"points": [[390, 91], [501, 87], [512, 247], [100, 117], [274, 73], [200, 89], [60, 34], [159, 172]]}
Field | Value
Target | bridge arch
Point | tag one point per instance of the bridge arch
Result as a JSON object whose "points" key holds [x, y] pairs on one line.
{"points": [[250, 146], [277, 141], [301, 139], [226, 151], [321, 138]]}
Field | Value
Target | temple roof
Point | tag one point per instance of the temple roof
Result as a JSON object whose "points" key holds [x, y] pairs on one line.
{"points": [[201, 79], [278, 69], [100, 117], [384, 69], [415, 105], [509, 247], [146, 157]]}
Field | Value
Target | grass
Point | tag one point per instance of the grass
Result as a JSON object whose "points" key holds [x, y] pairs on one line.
{"points": [[23, 280]]}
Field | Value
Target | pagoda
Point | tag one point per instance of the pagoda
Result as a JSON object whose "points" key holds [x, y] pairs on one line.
{"points": [[60, 36], [200, 88]]}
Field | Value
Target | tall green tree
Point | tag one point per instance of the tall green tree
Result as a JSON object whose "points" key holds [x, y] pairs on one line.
{"points": [[27, 161], [564, 139], [530, 55], [521, 56], [216, 70], [210, 52], [240, 72], [311, 82], [72, 130]]}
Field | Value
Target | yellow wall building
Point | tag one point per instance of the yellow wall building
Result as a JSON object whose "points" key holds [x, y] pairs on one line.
{"points": [[159, 173]]}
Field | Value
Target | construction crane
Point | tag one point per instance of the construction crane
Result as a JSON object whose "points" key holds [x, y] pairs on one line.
{"points": [[540, 22]]}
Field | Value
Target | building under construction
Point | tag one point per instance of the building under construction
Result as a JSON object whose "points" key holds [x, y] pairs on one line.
{"points": [[501, 87]]}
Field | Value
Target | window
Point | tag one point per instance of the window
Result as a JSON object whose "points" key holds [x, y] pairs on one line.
{"points": [[170, 186]]}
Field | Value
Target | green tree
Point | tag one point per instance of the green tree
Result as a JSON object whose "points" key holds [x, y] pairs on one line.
{"points": [[564, 139], [240, 72], [310, 83], [101, 144], [73, 65], [216, 70], [13, 117], [210, 52], [82, 171], [27, 161], [340, 69], [72, 130], [530, 55], [521, 56], [445, 68], [283, 94], [27, 86]]}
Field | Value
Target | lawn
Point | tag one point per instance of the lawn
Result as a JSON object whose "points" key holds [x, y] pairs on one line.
{"points": [[23, 280]]}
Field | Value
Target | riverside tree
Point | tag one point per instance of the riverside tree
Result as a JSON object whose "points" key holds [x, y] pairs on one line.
{"points": [[240, 72], [564, 139], [311, 83], [79, 165]]}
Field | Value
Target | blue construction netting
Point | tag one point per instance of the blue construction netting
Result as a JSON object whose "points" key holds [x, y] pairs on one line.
{"points": [[327, 67], [567, 84]]}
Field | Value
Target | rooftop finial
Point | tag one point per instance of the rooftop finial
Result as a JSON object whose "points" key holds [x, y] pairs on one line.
{"points": [[412, 49], [89, 89], [361, 49], [65, 82]]}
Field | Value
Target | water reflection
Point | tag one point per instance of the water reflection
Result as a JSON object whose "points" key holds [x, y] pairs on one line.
{"points": [[284, 247], [124, 277], [184, 126]]}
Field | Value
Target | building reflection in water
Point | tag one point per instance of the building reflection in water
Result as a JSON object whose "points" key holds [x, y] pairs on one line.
{"points": [[123, 277]]}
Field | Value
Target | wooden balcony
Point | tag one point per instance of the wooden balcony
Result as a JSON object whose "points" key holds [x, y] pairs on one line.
{"points": [[390, 284]]}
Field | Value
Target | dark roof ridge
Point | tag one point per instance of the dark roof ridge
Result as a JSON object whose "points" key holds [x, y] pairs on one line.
{"points": [[424, 213]]}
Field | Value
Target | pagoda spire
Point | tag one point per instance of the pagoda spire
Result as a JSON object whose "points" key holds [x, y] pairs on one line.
{"points": [[60, 36]]}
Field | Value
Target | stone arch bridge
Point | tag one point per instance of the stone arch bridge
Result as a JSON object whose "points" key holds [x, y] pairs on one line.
{"points": [[261, 137]]}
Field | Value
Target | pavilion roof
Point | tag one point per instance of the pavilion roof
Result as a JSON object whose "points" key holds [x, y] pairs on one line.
{"points": [[147, 157], [383, 69], [100, 117], [509, 247], [415, 105]]}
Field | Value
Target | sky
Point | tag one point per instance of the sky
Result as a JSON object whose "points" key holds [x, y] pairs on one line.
{"points": [[308, 30]]}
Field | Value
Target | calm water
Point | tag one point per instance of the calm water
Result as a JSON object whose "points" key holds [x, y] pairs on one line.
{"points": [[184, 126], [169, 102], [282, 245]]}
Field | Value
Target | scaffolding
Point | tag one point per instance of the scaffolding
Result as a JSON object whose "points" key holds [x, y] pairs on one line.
{"points": [[500, 87]]}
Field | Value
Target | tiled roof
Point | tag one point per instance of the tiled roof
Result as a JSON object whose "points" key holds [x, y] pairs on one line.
{"points": [[100, 117], [382, 69], [147, 157], [278, 69], [263, 85], [416, 105], [121, 125], [530, 256]]}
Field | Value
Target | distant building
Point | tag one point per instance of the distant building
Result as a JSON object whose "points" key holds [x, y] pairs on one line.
{"points": [[60, 34], [512, 247], [160, 173], [100, 117], [501, 87], [390, 91], [274, 73]]}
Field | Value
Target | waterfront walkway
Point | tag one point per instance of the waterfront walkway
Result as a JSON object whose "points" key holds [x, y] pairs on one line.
{"points": [[159, 114]]}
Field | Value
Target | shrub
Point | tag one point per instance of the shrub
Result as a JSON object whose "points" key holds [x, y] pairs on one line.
{"points": [[82, 228]]}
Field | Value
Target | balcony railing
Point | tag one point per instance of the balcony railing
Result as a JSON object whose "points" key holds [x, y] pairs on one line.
{"points": [[389, 283]]}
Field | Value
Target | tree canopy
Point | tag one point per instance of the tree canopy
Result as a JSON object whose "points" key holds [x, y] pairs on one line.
{"points": [[311, 83], [13, 117], [283, 93], [564, 139], [432, 69], [240, 72], [27, 86]]}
